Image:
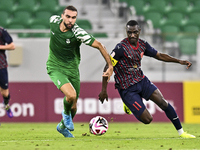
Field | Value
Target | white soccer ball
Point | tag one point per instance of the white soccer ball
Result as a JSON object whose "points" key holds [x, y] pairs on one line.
{"points": [[98, 125]]}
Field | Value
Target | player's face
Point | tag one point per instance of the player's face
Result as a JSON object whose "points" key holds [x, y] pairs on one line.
{"points": [[133, 33], [69, 18]]}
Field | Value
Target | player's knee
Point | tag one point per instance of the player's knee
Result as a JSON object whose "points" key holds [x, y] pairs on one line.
{"points": [[148, 120], [71, 98], [146, 117]]}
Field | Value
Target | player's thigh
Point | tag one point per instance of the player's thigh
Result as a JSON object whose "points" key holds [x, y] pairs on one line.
{"points": [[158, 98], [4, 79], [147, 88], [69, 91], [133, 101], [76, 84], [62, 78]]}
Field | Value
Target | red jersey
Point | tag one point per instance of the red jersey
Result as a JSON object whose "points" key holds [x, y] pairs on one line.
{"points": [[126, 60]]}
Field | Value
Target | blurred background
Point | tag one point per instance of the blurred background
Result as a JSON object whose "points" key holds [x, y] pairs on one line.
{"points": [[170, 26]]}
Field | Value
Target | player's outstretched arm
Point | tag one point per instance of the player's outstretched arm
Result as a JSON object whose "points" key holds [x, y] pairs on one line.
{"points": [[102, 49], [168, 58], [10, 46], [103, 94]]}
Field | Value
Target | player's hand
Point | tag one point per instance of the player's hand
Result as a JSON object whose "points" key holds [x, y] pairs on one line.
{"points": [[108, 73], [102, 96], [185, 62]]}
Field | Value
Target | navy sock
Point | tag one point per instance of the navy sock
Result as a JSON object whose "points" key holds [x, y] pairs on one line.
{"points": [[171, 114], [6, 99]]}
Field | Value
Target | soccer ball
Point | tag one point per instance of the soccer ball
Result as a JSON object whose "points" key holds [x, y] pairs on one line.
{"points": [[98, 125]]}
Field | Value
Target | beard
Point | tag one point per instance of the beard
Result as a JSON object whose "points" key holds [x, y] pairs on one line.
{"points": [[133, 41], [68, 26]]}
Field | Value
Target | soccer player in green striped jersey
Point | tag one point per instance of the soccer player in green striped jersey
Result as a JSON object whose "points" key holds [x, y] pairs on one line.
{"points": [[63, 62]]}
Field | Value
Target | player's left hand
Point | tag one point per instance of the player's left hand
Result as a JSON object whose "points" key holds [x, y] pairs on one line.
{"points": [[185, 62], [108, 73], [103, 96]]}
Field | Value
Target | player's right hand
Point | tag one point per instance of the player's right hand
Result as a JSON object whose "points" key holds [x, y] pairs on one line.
{"points": [[102, 96], [108, 73]]}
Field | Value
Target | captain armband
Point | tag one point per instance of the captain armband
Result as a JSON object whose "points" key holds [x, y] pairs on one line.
{"points": [[114, 61]]}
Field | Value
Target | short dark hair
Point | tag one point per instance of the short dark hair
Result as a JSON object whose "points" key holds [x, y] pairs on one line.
{"points": [[132, 23], [70, 7]]}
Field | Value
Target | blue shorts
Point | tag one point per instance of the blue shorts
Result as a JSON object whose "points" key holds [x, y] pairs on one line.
{"points": [[132, 96], [4, 78]]}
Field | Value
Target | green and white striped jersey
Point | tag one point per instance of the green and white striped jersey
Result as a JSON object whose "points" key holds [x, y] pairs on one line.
{"points": [[65, 46]]}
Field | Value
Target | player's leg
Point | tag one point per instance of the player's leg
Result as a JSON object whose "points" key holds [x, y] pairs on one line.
{"points": [[6, 98], [145, 117], [66, 123], [76, 84], [69, 100], [63, 130], [62, 82], [75, 90], [134, 103], [74, 109], [5, 91], [158, 98], [61, 127]]}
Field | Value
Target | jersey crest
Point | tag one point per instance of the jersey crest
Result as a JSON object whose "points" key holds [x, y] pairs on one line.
{"points": [[67, 41]]}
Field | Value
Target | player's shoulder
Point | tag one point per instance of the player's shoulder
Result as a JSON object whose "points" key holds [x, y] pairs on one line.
{"points": [[119, 47], [76, 29], [55, 19], [3, 30]]}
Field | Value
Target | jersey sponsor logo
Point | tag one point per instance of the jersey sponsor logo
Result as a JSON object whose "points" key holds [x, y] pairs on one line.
{"points": [[67, 41], [114, 61], [134, 66]]}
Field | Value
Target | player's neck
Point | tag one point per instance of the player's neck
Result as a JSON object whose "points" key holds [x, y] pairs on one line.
{"points": [[134, 44]]}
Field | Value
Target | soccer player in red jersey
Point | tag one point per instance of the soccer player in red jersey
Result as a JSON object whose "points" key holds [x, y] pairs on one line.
{"points": [[6, 43], [132, 84]]}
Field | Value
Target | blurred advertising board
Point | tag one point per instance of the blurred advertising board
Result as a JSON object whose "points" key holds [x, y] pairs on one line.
{"points": [[43, 102], [191, 102]]}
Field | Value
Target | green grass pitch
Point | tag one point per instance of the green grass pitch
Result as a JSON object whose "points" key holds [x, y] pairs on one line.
{"points": [[120, 136]]}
